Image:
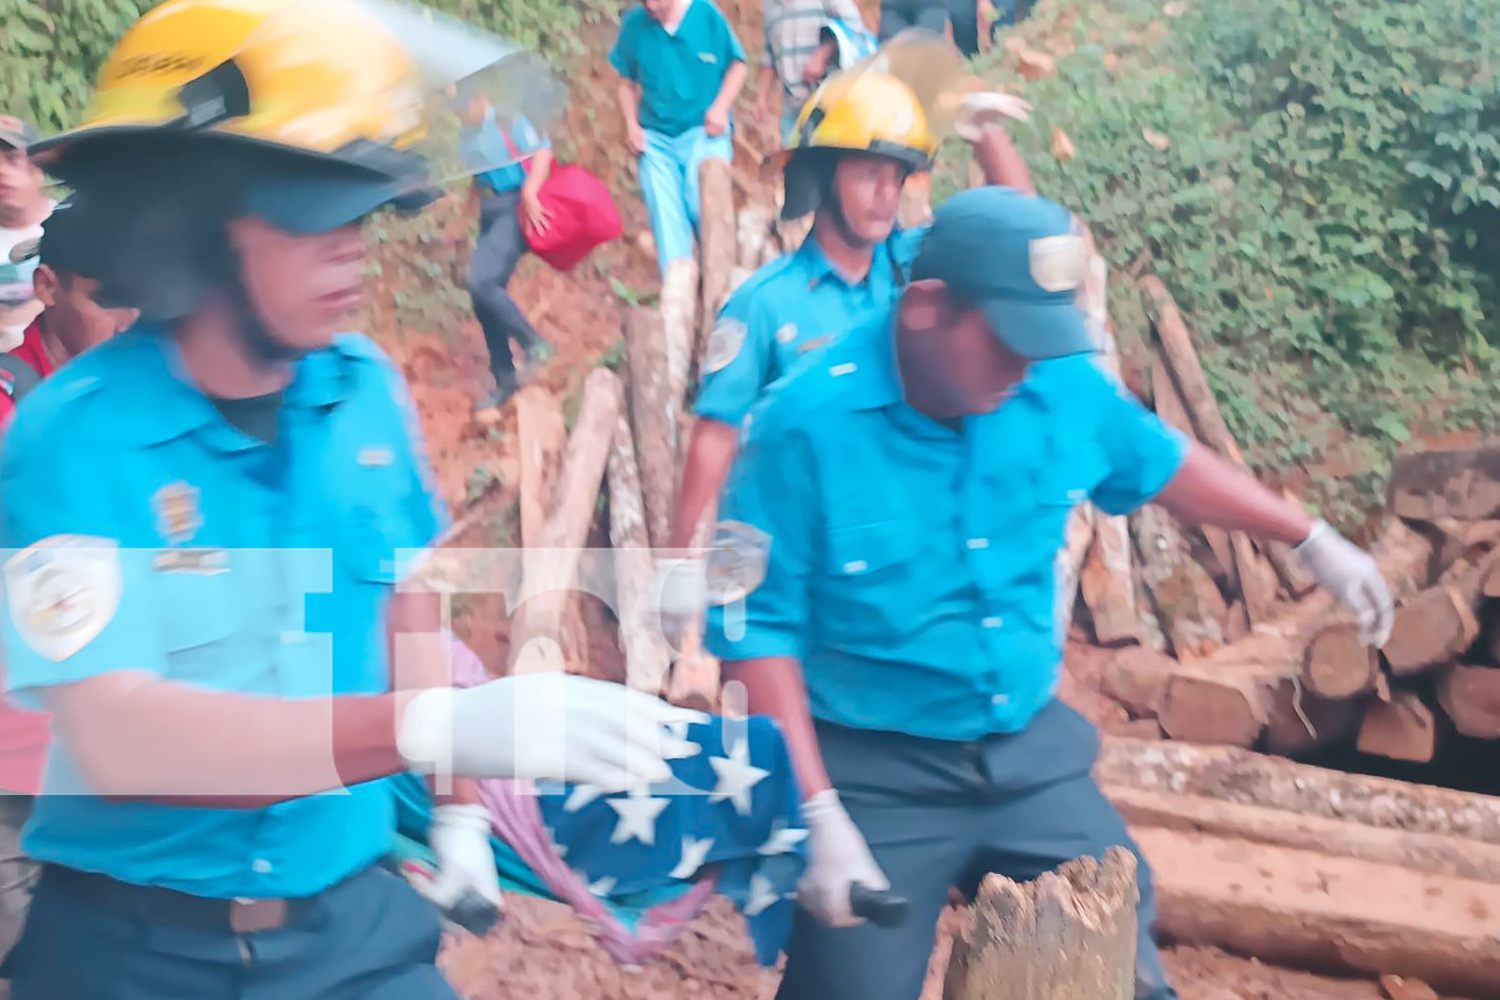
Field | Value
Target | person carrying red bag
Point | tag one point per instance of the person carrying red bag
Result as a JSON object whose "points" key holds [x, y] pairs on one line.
{"points": [[524, 204]]}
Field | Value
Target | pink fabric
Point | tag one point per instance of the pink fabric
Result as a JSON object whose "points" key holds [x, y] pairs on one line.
{"points": [[517, 820]]}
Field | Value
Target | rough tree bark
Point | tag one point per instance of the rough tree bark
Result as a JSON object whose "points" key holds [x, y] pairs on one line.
{"points": [[1067, 935], [679, 309], [1460, 483], [647, 655], [1187, 603], [543, 436], [1256, 580], [550, 582], [645, 341], [718, 242]]}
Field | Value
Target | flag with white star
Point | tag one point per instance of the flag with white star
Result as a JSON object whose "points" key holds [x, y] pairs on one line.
{"points": [[639, 865]]}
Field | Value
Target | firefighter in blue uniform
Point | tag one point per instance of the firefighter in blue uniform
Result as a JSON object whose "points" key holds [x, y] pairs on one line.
{"points": [[893, 526]]}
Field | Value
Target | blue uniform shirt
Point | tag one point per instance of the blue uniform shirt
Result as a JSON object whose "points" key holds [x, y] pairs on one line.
{"points": [[786, 313], [911, 568], [240, 567], [679, 72], [499, 165]]}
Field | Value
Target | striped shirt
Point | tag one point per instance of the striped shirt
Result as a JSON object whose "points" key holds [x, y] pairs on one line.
{"points": [[792, 35]]}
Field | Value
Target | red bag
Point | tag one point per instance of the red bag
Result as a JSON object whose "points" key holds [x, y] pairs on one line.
{"points": [[581, 214]]}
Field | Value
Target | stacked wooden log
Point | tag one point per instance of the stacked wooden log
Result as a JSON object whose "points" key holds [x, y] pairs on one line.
{"points": [[629, 441], [1305, 680]]}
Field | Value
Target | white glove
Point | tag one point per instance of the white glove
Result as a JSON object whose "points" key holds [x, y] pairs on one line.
{"points": [[679, 587], [460, 838], [976, 112], [839, 859], [1351, 576], [550, 726]]}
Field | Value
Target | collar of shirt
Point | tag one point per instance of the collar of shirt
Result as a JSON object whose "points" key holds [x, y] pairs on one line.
{"points": [[177, 407], [879, 279]]}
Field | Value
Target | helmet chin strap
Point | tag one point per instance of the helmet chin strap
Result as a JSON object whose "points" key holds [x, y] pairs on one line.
{"points": [[256, 337]]}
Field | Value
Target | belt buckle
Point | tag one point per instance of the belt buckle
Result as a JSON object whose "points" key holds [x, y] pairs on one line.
{"points": [[251, 916]]}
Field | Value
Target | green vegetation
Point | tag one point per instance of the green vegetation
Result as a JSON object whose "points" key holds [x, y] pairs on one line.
{"points": [[1316, 181]]}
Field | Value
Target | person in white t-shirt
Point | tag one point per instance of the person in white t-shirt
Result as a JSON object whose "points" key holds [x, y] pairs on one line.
{"points": [[23, 207]]}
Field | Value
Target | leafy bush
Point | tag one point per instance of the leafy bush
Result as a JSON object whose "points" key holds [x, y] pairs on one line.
{"points": [[1316, 180]]}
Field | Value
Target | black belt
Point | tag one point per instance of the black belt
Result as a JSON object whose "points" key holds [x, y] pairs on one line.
{"points": [[168, 906]]}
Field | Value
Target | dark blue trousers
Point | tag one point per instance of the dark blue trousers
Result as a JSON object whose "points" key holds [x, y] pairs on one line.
{"points": [[370, 937], [939, 814]]}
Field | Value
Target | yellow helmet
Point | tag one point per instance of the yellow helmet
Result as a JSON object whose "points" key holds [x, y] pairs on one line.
{"points": [[323, 78], [864, 112]]}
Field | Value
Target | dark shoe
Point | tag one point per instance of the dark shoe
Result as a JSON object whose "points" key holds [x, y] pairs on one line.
{"points": [[506, 385]]}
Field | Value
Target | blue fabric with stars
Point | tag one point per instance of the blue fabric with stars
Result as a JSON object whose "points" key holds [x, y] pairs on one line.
{"points": [[732, 811], [736, 804]]}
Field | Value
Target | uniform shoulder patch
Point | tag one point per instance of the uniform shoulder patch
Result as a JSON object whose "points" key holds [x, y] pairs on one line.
{"points": [[63, 591], [724, 344]]}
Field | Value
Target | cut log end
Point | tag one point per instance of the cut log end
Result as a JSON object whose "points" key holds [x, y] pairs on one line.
{"points": [[1231, 710], [1403, 728], [1430, 629], [1471, 697], [1339, 664]]}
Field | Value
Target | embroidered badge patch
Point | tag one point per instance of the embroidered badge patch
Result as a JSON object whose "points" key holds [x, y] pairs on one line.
{"points": [[63, 591]]}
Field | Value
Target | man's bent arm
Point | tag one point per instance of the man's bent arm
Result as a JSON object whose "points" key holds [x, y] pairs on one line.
{"points": [[710, 455], [774, 687], [1208, 490], [135, 735], [729, 89], [1001, 162]]}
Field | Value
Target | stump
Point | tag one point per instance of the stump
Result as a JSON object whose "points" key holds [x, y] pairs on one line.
{"points": [[1068, 935]]}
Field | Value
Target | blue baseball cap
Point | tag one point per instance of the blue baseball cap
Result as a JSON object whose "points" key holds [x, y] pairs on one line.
{"points": [[309, 202], [1021, 259]]}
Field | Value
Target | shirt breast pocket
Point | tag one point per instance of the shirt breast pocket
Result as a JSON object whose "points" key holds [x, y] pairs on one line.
{"points": [[1066, 482], [867, 587], [203, 625]]}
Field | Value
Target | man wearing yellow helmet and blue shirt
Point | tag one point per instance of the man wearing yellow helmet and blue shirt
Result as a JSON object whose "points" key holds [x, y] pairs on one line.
{"points": [[912, 489], [856, 142], [205, 521]]}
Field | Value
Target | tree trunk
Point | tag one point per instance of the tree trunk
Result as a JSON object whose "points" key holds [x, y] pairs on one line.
{"points": [[1256, 582], [679, 308], [1471, 697], [1188, 604], [1435, 625], [752, 235], [1219, 705], [546, 590], [1323, 912], [647, 654], [1299, 721], [1106, 585], [1401, 729], [718, 241], [1460, 483], [543, 436], [1433, 854], [1167, 399], [1080, 535], [1067, 935], [1338, 664], [1233, 775], [645, 338]]}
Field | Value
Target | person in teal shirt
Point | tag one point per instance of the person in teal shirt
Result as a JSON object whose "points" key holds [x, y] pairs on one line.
{"points": [[681, 68], [206, 524], [901, 505]]}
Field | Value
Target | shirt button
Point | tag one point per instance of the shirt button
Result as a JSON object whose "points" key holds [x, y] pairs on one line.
{"points": [[856, 566], [848, 368], [992, 622], [1000, 700], [260, 866], [978, 543]]}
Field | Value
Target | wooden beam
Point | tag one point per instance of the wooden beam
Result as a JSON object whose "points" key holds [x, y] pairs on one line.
{"points": [[647, 654], [546, 589], [645, 341], [1326, 913], [718, 243]]}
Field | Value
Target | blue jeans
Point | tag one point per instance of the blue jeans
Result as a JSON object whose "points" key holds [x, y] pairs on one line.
{"points": [[939, 813], [669, 184]]}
